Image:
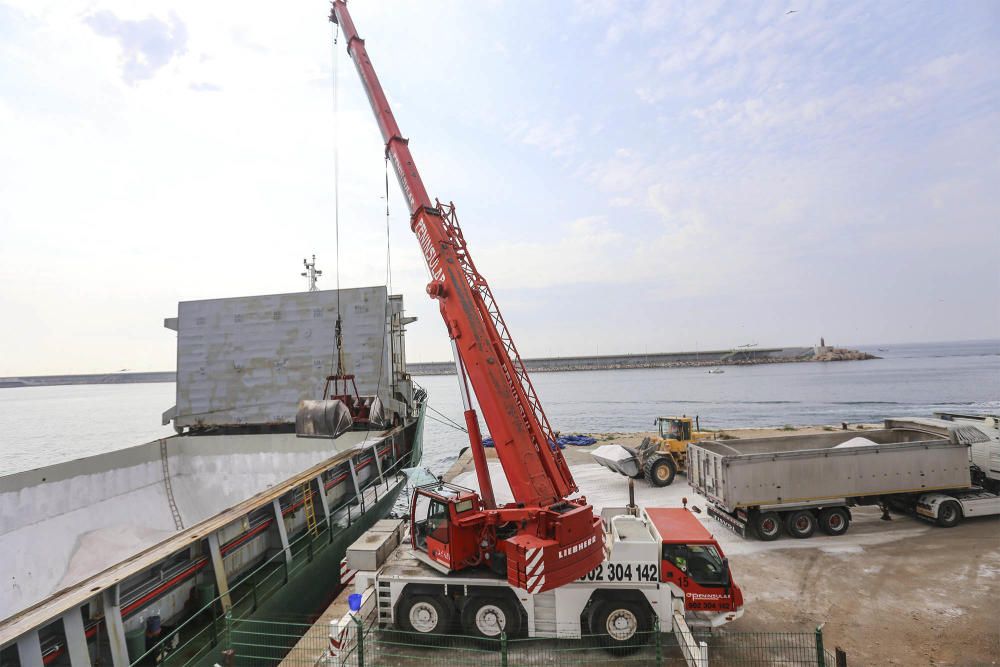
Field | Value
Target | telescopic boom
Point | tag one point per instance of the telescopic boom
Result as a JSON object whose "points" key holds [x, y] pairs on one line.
{"points": [[486, 358]]}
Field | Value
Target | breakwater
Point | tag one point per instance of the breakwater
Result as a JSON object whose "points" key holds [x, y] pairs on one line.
{"points": [[739, 356]]}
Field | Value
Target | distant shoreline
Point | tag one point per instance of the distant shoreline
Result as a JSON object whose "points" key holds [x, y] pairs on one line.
{"points": [[737, 357]]}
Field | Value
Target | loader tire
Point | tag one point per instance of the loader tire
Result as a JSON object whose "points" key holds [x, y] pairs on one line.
{"points": [[660, 471]]}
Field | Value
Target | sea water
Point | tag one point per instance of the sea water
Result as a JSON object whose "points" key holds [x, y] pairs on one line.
{"points": [[44, 425]]}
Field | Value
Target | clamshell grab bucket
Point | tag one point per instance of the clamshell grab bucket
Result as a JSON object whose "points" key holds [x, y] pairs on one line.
{"points": [[322, 419]]}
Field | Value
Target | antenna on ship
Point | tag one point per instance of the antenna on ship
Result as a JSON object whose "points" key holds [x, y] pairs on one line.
{"points": [[311, 272]]}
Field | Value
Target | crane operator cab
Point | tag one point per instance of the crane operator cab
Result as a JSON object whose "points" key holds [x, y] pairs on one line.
{"points": [[445, 526]]}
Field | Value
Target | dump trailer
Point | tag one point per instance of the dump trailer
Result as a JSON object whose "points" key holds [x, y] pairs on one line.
{"points": [[797, 484]]}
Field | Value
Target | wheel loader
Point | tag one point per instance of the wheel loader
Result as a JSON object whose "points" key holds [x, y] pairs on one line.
{"points": [[658, 459]]}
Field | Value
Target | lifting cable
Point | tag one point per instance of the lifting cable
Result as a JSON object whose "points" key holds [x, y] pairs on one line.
{"points": [[338, 353]]}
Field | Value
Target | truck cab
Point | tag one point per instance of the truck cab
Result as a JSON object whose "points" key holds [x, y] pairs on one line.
{"points": [[694, 566]]}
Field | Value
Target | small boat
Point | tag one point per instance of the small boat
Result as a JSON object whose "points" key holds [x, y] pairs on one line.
{"points": [[715, 371]]}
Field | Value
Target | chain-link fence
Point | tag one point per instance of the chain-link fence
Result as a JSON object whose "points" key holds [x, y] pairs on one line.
{"points": [[363, 644]]}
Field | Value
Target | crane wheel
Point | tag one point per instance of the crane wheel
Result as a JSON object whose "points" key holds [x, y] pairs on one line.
{"points": [[834, 521], [425, 614], [800, 524], [660, 471], [767, 525], [623, 627], [949, 514], [486, 618]]}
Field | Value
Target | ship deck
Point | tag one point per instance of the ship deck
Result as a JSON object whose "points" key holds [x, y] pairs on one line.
{"points": [[87, 525]]}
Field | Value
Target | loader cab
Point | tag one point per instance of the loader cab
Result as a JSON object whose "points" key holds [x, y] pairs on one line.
{"points": [[675, 428], [693, 562], [440, 527]]}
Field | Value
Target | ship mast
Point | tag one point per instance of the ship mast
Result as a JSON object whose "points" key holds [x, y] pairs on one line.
{"points": [[311, 273]]}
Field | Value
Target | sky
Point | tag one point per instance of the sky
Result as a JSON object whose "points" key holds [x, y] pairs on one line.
{"points": [[630, 176]]}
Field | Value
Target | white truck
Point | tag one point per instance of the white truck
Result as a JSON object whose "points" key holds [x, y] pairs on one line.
{"points": [[661, 564], [943, 470]]}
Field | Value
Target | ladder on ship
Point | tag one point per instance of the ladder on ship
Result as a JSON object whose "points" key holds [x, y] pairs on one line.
{"points": [[309, 507]]}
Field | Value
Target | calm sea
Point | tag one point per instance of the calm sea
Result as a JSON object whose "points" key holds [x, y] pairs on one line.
{"points": [[44, 425]]}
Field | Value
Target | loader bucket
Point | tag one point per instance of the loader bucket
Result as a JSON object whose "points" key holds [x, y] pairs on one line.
{"points": [[322, 419], [617, 459]]}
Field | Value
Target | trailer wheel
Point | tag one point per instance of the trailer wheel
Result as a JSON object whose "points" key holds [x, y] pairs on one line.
{"points": [[949, 514], [622, 626], [800, 524], [834, 521], [488, 617], [425, 614], [768, 526], [660, 470]]}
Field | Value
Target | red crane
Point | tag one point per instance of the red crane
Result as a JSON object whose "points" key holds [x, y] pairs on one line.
{"points": [[543, 539]]}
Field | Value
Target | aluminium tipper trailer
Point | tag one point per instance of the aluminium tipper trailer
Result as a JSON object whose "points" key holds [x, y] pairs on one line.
{"points": [[800, 483]]}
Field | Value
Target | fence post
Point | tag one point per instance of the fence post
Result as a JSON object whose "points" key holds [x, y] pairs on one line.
{"points": [[253, 589], [229, 630], [503, 649], [820, 653], [361, 640], [215, 630], [841, 657]]}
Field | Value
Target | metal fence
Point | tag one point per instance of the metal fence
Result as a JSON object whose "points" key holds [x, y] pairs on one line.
{"points": [[258, 643]]}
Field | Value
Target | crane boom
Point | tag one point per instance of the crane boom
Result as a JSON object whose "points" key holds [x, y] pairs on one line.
{"points": [[544, 539], [536, 471]]}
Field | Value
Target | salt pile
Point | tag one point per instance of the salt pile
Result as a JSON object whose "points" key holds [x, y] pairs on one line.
{"points": [[857, 442]]}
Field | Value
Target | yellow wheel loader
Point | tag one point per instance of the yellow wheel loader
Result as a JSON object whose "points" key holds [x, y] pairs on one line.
{"points": [[658, 459]]}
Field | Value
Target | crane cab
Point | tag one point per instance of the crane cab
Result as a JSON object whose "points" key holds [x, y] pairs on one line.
{"points": [[445, 523]]}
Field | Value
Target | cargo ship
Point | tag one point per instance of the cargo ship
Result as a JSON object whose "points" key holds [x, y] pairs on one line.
{"points": [[145, 555]]}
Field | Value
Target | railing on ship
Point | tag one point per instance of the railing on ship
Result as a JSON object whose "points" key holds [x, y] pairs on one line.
{"points": [[193, 641]]}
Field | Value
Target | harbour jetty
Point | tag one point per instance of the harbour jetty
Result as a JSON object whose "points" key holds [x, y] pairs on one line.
{"points": [[740, 356]]}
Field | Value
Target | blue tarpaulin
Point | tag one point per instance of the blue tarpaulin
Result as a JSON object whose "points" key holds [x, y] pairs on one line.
{"points": [[562, 441]]}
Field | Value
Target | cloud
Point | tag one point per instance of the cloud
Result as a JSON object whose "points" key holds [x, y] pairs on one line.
{"points": [[205, 87], [147, 45]]}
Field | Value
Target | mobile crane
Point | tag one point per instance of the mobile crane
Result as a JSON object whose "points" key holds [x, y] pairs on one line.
{"points": [[562, 580], [544, 539]]}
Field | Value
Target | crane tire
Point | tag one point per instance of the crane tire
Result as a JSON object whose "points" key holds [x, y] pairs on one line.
{"points": [[660, 470], [767, 525], [800, 524], [949, 514], [622, 627], [834, 521], [487, 617], [425, 614]]}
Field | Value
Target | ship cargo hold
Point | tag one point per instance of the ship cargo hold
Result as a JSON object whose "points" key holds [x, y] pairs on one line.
{"points": [[141, 555]]}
